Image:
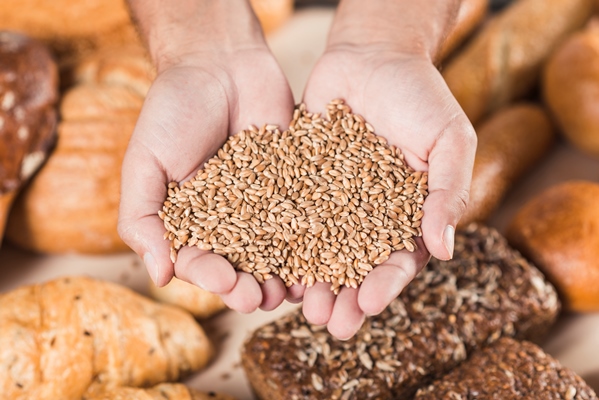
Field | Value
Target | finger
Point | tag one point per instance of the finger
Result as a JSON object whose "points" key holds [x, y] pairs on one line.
{"points": [[206, 270], [450, 173], [347, 317], [318, 303], [295, 293], [273, 293], [143, 190], [385, 282], [246, 295]]}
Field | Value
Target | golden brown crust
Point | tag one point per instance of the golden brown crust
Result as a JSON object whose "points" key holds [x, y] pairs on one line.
{"points": [[503, 61], [470, 15], [165, 391], [199, 302], [272, 13], [66, 337], [72, 204], [558, 231], [511, 142], [571, 89]]}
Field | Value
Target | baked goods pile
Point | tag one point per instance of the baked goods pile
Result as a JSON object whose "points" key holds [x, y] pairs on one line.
{"points": [[525, 77]]}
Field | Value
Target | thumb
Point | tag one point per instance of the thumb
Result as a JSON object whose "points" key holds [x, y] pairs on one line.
{"points": [[450, 172]]}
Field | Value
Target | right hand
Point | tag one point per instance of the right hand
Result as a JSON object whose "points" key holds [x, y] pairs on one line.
{"points": [[195, 103]]}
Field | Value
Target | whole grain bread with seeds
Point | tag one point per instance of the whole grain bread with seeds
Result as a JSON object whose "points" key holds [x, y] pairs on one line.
{"points": [[323, 201], [451, 309]]}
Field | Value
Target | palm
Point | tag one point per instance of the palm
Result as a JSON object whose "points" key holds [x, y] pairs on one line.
{"points": [[406, 101], [188, 114]]}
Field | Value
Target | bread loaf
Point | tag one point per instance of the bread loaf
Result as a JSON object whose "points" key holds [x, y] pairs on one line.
{"points": [[558, 231], [470, 15], [72, 204], [450, 309], [199, 302], [165, 391], [72, 336], [502, 63], [509, 370], [571, 89], [512, 141], [28, 96]]}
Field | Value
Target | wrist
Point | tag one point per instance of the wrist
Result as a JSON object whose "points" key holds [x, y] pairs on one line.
{"points": [[176, 32], [406, 27]]}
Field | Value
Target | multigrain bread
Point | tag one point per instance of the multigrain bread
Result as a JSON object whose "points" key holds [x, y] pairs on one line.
{"points": [[72, 204], [450, 309], [558, 230], [509, 370], [199, 302], [510, 143], [71, 336], [28, 97], [503, 62], [571, 89], [165, 391]]}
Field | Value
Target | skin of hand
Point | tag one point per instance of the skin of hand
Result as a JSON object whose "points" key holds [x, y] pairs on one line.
{"points": [[401, 93], [207, 87]]}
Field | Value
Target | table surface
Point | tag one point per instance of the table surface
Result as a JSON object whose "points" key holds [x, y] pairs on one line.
{"points": [[574, 340]]}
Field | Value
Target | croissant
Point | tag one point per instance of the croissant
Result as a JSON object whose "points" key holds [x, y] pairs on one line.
{"points": [[165, 391], [74, 336]]}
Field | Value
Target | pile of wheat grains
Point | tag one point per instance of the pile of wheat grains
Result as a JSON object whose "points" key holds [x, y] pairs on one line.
{"points": [[324, 201]]}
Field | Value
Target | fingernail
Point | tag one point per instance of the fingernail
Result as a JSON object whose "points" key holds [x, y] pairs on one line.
{"points": [[448, 239], [151, 266]]}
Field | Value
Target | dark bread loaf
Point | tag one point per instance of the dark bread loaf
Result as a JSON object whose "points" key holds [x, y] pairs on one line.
{"points": [[28, 95], [509, 370], [502, 63], [450, 309]]}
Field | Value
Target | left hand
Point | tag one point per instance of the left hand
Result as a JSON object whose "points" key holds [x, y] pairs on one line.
{"points": [[406, 100]]}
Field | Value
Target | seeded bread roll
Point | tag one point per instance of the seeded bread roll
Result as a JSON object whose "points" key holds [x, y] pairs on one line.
{"points": [[470, 15], [510, 143], [28, 96], [450, 309], [557, 230], [165, 391], [199, 302], [571, 89], [72, 336], [509, 370], [503, 61]]}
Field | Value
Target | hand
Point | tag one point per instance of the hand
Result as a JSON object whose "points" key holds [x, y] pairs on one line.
{"points": [[193, 105], [406, 100]]}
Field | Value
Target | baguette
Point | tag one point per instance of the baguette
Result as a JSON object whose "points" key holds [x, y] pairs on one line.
{"points": [[71, 336], [503, 61], [199, 302], [510, 143], [571, 89], [470, 15]]}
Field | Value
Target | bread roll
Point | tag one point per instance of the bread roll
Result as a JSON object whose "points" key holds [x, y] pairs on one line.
{"points": [[28, 96], [72, 204], [165, 391], [470, 15], [71, 336], [558, 231], [199, 302], [571, 89], [503, 61], [272, 13], [510, 143]]}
